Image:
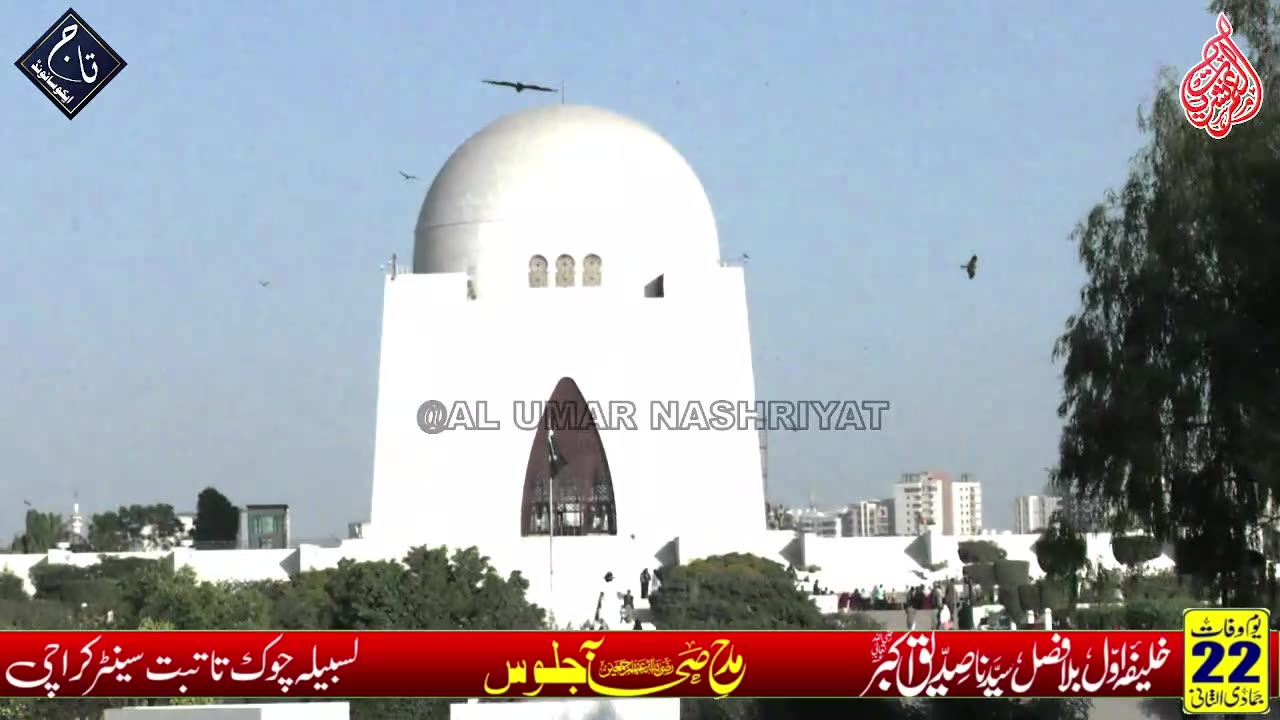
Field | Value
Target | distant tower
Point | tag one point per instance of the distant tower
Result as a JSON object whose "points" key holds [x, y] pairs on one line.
{"points": [[77, 520]]}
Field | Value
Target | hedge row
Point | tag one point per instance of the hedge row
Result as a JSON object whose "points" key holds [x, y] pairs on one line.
{"points": [[1005, 573]]}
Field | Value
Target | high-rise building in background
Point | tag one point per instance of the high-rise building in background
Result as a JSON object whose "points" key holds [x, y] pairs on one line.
{"points": [[923, 500], [1031, 513], [817, 522], [869, 518]]}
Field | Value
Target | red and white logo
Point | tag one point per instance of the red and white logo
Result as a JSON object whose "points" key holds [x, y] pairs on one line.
{"points": [[1222, 90]]}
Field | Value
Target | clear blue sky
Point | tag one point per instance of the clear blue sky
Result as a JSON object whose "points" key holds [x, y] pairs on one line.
{"points": [[859, 152]]}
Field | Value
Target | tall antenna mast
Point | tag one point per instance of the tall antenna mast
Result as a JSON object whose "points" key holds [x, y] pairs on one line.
{"points": [[561, 92]]}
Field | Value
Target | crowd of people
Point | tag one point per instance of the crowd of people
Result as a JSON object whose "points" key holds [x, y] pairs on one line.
{"points": [[935, 607]]}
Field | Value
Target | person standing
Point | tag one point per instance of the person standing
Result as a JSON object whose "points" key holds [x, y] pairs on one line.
{"points": [[645, 577], [628, 608], [609, 606]]}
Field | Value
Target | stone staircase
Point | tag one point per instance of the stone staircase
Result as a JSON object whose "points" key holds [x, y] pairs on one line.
{"points": [[576, 607], [644, 614]]}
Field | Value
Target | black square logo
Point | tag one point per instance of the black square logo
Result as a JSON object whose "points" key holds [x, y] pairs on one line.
{"points": [[70, 64]]}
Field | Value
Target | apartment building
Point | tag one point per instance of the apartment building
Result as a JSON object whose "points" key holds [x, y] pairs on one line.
{"points": [[923, 500], [1031, 513], [869, 518], [817, 522]]}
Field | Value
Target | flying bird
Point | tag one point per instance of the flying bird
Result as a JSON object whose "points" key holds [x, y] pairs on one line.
{"points": [[407, 176], [519, 86], [971, 267], [264, 283]]}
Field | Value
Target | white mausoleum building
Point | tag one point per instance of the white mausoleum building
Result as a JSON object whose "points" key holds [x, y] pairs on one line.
{"points": [[565, 254]]}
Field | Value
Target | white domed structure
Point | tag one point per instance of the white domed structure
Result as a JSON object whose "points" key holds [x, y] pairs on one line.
{"points": [[564, 181], [565, 256]]}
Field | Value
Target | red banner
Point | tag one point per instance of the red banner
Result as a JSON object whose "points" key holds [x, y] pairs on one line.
{"points": [[619, 664]]}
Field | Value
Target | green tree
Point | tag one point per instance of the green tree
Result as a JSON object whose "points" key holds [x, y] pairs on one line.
{"points": [[733, 591], [15, 709], [135, 527], [1171, 377], [1062, 552], [303, 603], [746, 592], [1134, 550], [151, 624], [217, 519], [181, 600], [432, 590], [12, 586], [41, 532], [107, 533], [980, 551]]}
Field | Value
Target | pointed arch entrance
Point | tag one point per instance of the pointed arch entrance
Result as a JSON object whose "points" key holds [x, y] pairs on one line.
{"points": [[581, 500]]}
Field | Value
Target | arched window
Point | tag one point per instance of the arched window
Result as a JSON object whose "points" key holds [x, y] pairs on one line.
{"points": [[580, 499], [591, 271], [564, 271], [537, 272]]}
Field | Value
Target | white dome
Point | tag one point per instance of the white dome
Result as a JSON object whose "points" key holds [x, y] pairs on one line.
{"points": [[565, 180]]}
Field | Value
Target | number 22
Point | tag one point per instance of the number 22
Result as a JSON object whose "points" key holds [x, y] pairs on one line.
{"points": [[1215, 652]]}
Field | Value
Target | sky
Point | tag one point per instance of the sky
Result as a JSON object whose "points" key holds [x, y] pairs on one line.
{"points": [[858, 152]]}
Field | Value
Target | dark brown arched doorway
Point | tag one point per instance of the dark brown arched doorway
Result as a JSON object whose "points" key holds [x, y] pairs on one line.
{"points": [[581, 500]]}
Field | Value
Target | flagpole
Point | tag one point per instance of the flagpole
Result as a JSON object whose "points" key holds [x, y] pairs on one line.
{"points": [[551, 536]]}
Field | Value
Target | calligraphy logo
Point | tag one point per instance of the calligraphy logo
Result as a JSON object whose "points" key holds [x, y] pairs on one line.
{"points": [[1222, 90], [70, 64], [1226, 661]]}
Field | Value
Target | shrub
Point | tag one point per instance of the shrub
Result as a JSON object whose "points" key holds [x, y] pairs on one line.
{"points": [[1012, 573], [1012, 604], [1138, 615], [1153, 587], [1055, 595], [1134, 550], [983, 574], [1061, 550], [12, 587], [1029, 598], [980, 551]]}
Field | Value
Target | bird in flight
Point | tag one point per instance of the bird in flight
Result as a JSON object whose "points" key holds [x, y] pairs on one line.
{"points": [[407, 176], [519, 86], [971, 267], [264, 283]]}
